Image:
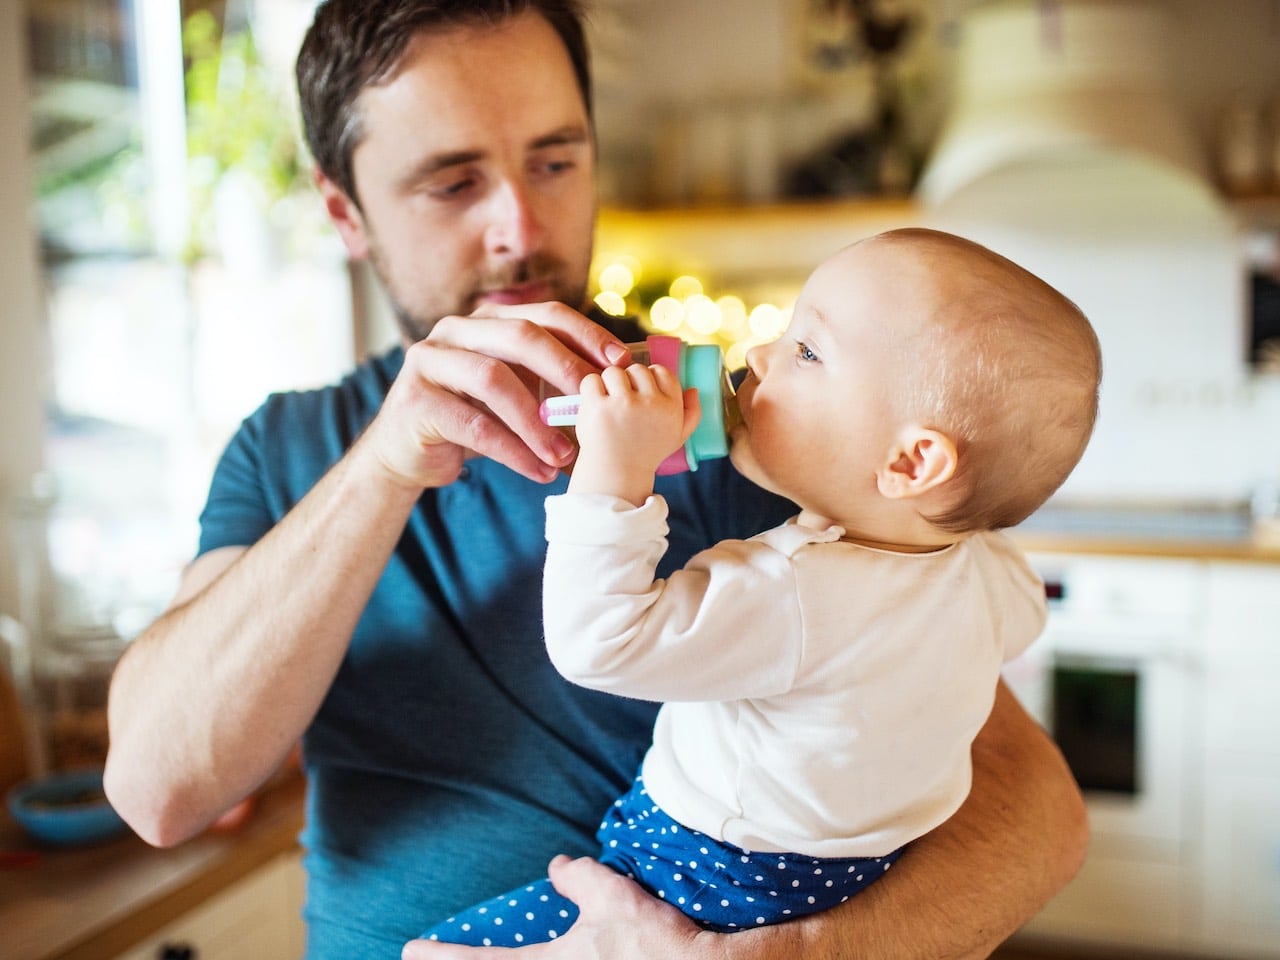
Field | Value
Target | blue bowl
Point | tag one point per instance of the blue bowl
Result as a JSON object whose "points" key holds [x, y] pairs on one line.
{"points": [[65, 809]]}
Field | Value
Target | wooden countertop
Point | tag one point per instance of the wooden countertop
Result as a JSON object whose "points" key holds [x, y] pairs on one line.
{"points": [[1187, 530], [92, 903], [1120, 545]]}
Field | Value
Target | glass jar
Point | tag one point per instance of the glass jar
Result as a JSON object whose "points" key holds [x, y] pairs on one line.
{"points": [[71, 677]]}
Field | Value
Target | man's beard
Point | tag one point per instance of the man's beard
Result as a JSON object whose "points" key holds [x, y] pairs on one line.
{"points": [[540, 267]]}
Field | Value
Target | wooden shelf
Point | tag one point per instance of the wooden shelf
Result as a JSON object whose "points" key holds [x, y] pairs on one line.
{"points": [[783, 242], [771, 242], [1258, 211]]}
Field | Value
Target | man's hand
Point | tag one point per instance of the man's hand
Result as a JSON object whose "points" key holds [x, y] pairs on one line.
{"points": [[618, 920], [471, 386]]}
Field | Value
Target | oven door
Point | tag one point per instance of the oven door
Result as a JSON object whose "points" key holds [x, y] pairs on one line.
{"points": [[1114, 681], [1119, 709]]}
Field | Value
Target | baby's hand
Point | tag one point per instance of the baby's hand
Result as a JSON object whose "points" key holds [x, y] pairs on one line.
{"points": [[635, 412], [629, 420]]}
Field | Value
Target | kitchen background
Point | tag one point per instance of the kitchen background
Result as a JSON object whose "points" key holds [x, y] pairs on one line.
{"points": [[165, 264], [162, 294]]}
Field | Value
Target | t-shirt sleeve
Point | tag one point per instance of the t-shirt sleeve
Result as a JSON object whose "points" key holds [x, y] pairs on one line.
{"points": [[237, 513], [283, 448]]}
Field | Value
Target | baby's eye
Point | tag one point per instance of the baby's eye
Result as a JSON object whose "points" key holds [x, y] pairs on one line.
{"points": [[804, 353]]}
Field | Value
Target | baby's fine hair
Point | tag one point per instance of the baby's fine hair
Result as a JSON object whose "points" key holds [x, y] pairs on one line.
{"points": [[1010, 370]]}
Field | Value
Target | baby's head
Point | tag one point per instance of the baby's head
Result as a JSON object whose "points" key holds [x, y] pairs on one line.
{"points": [[923, 377], [1005, 366]]}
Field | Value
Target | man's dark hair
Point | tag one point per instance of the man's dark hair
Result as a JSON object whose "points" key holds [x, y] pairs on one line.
{"points": [[353, 44]]}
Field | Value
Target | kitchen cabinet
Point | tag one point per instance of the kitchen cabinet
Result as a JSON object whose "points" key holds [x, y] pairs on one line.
{"points": [[1242, 763], [1242, 836], [1113, 903], [1259, 212], [1210, 887], [259, 917], [1113, 678]]}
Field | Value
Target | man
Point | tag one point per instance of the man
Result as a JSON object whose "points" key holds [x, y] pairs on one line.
{"points": [[371, 554]]}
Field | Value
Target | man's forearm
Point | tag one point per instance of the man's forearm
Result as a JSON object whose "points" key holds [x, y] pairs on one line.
{"points": [[207, 702], [960, 891]]}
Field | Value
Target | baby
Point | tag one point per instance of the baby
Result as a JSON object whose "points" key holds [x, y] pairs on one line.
{"points": [[822, 682]]}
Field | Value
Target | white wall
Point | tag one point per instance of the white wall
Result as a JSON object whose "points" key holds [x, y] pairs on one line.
{"points": [[1150, 251], [1152, 258], [22, 327], [1155, 264]]}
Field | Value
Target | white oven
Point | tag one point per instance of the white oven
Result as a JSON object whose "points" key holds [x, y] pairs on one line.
{"points": [[1117, 679]]}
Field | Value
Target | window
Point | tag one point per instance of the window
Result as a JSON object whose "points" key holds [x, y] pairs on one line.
{"points": [[184, 278]]}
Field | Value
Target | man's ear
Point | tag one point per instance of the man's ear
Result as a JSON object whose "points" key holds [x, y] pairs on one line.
{"points": [[922, 460], [345, 215]]}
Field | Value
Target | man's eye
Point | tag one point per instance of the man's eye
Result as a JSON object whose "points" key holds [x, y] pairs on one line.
{"points": [[452, 188], [553, 168], [804, 353]]}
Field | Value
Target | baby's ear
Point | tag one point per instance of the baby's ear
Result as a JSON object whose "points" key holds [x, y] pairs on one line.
{"points": [[921, 460]]}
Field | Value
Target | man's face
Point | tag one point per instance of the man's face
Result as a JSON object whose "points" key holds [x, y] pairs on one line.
{"points": [[475, 175]]}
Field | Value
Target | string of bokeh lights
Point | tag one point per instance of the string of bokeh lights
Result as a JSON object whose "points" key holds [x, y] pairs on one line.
{"points": [[687, 312]]}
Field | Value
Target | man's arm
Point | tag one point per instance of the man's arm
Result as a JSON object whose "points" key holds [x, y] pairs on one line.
{"points": [[963, 889], [207, 702], [956, 894]]}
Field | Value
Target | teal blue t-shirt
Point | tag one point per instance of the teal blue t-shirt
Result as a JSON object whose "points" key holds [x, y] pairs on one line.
{"points": [[449, 761]]}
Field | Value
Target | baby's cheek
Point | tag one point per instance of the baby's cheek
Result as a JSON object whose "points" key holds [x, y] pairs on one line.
{"points": [[742, 456]]}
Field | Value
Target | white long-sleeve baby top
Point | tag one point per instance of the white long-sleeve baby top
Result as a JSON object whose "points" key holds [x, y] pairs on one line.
{"points": [[819, 697]]}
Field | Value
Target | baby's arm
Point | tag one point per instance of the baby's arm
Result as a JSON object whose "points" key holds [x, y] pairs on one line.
{"points": [[629, 420], [611, 626]]}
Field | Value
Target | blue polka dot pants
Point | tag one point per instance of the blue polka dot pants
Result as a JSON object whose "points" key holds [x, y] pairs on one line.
{"points": [[718, 885]]}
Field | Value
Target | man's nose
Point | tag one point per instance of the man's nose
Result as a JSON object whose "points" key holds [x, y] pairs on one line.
{"points": [[514, 228]]}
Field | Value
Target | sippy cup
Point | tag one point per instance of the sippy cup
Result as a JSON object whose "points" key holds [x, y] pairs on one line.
{"points": [[696, 365]]}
